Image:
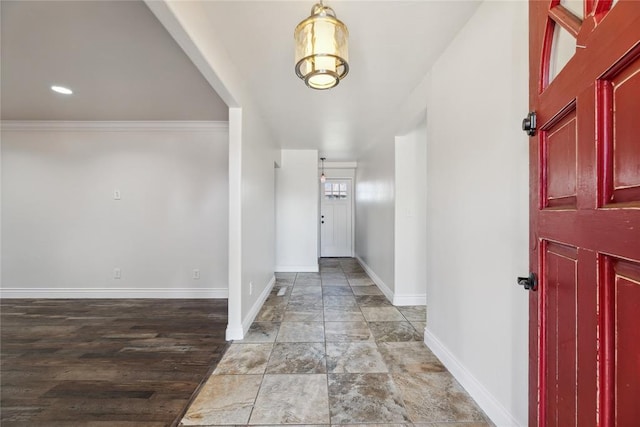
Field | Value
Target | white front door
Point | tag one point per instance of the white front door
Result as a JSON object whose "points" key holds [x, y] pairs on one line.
{"points": [[335, 218]]}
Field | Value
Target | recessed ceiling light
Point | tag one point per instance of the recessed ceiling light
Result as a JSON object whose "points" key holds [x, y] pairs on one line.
{"points": [[61, 89]]}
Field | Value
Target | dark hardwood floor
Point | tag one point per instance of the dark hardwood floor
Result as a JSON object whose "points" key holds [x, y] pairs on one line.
{"points": [[133, 362]]}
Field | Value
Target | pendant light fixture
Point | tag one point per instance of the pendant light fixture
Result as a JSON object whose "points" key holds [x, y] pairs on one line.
{"points": [[321, 48], [322, 177]]}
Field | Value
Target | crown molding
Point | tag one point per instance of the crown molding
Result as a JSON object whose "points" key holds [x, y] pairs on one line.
{"points": [[114, 126]]}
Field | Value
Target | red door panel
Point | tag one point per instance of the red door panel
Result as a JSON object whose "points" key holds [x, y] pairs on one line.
{"points": [[621, 109], [561, 163], [626, 282], [587, 347], [585, 217], [626, 106], [560, 277]]}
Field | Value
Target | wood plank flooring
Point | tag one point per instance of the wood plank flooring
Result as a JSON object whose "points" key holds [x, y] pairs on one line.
{"points": [[117, 362]]}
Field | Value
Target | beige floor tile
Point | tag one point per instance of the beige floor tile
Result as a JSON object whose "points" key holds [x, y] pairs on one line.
{"points": [[297, 358], [373, 425], [365, 398], [271, 313], [436, 397], [419, 326], [315, 291], [244, 359], [343, 314], [302, 306], [373, 301], [334, 273], [382, 314], [307, 315], [333, 349], [292, 399], [347, 331], [360, 281], [304, 281], [409, 357], [394, 331], [339, 301], [277, 301], [337, 291], [306, 276], [416, 313], [366, 290], [306, 300], [471, 424], [334, 282], [224, 399], [354, 357], [301, 332], [261, 332], [286, 276]]}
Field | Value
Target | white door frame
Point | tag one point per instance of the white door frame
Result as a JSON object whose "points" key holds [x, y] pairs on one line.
{"points": [[352, 197]]}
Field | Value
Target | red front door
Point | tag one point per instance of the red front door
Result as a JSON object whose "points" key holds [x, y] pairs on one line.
{"points": [[585, 213]]}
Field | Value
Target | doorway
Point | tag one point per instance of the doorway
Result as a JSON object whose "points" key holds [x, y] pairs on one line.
{"points": [[336, 220], [585, 216]]}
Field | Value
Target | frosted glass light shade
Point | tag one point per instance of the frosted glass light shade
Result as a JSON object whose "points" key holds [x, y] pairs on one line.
{"points": [[321, 49]]}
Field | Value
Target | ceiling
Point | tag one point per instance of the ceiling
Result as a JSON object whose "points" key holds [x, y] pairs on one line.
{"points": [[125, 66], [117, 58]]}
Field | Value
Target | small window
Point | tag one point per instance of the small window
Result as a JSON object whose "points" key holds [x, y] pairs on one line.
{"points": [[334, 191]]}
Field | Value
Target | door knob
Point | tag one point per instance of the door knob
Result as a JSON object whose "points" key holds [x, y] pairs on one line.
{"points": [[529, 283], [529, 124], [322, 222]]}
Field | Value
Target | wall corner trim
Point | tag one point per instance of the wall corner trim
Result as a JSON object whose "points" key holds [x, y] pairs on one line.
{"points": [[483, 397]]}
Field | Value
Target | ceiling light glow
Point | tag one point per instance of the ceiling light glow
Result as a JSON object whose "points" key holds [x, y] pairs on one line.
{"points": [[321, 48], [61, 89]]}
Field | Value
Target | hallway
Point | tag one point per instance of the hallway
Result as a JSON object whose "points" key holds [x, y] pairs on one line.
{"points": [[328, 348]]}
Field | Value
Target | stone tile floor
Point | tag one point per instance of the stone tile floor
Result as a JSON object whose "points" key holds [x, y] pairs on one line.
{"points": [[329, 348]]}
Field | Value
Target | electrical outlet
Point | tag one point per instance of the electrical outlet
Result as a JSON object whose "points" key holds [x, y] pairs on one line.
{"points": [[250, 288], [116, 273], [196, 274], [116, 194]]}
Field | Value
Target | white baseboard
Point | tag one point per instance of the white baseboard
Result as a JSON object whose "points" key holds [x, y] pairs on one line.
{"points": [[418, 299], [376, 279], [483, 397], [232, 334], [297, 269], [159, 293], [239, 333]]}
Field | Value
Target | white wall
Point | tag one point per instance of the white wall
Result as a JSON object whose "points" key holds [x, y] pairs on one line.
{"points": [[375, 205], [297, 186], [259, 155], [410, 217], [252, 153], [391, 209], [338, 172], [477, 166], [64, 234]]}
